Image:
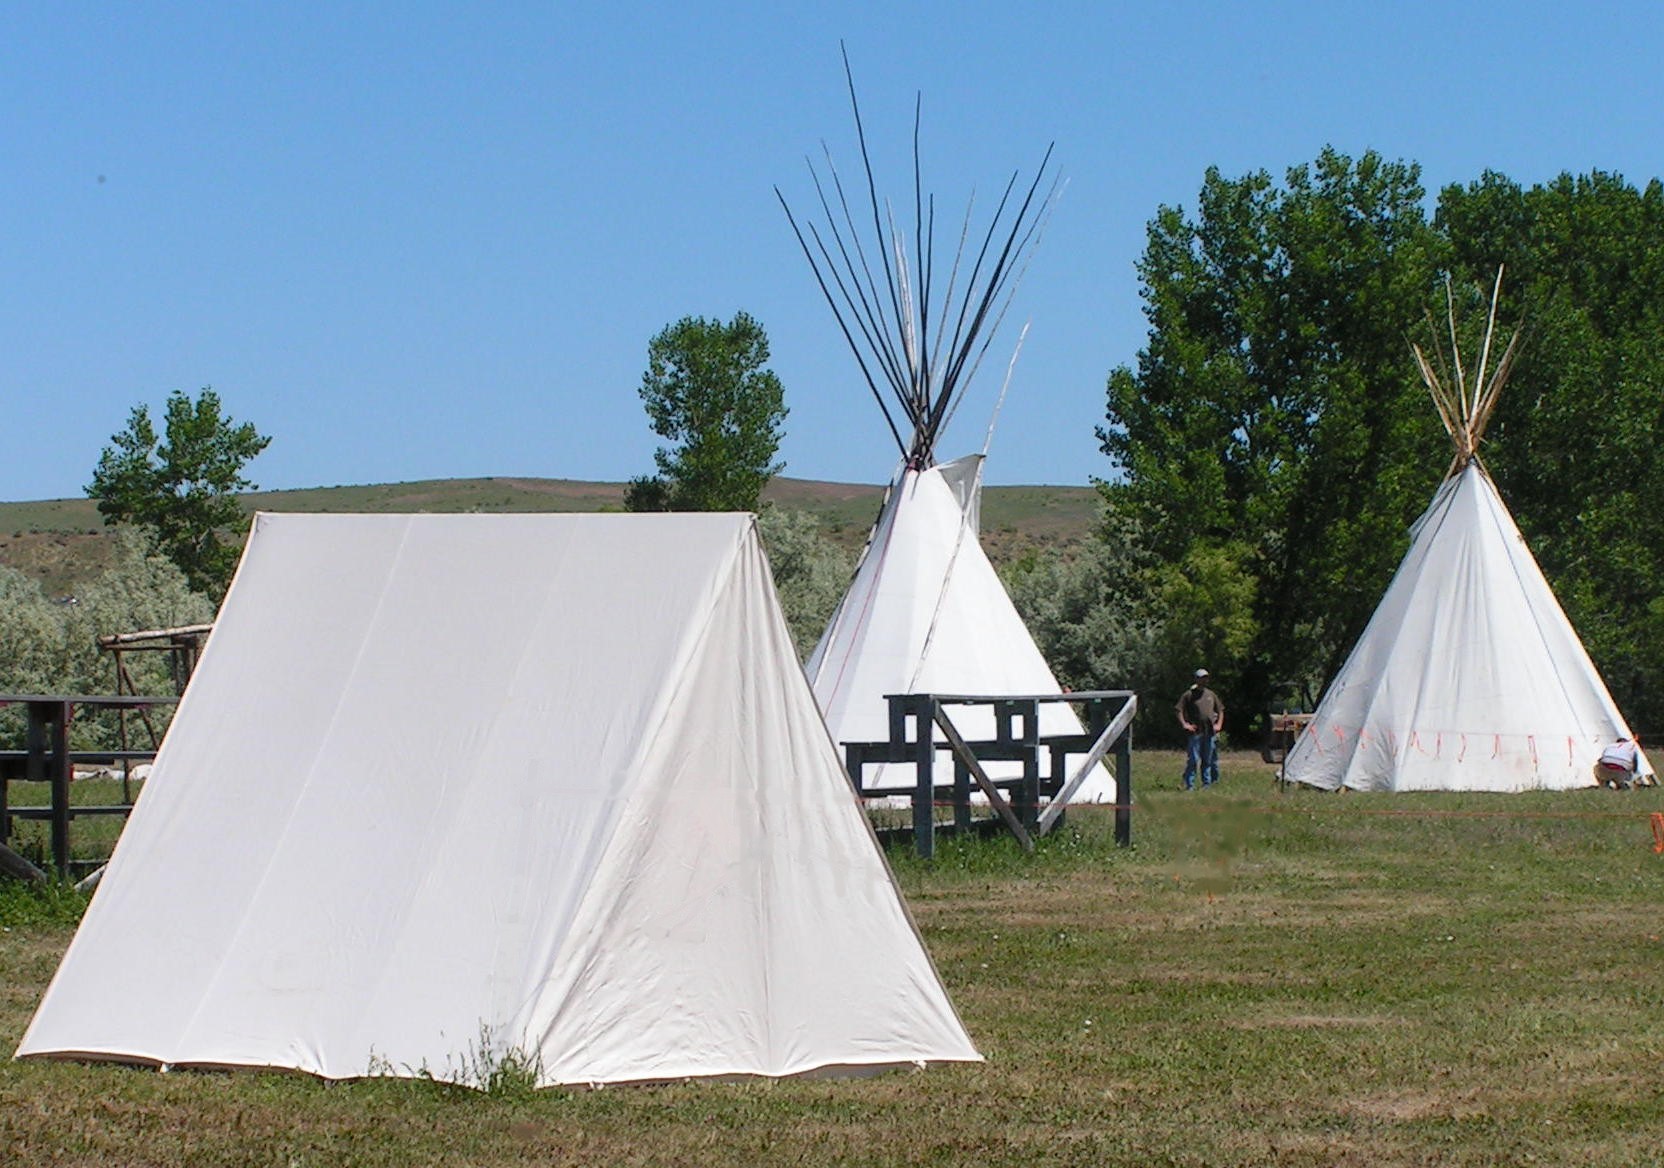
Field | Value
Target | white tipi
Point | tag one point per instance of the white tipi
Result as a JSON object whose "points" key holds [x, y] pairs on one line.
{"points": [[926, 612], [454, 792], [1469, 675]]}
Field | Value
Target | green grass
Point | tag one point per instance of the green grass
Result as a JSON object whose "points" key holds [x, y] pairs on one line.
{"points": [[1265, 978], [91, 837], [47, 906]]}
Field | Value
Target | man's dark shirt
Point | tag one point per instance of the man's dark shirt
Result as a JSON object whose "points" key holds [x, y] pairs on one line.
{"points": [[1200, 707]]}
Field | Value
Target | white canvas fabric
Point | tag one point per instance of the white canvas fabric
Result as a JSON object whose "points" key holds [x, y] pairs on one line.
{"points": [[447, 790], [926, 613], [1469, 676]]}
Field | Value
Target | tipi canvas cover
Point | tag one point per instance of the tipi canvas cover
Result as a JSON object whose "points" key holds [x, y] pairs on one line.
{"points": [[926, 613], [1469, 676], [448, 791]]}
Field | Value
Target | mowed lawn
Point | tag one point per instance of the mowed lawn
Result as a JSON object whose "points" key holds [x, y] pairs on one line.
{"points": [[1267, 977]]}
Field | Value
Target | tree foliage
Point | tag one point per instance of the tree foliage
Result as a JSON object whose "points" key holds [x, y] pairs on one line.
{"points": [[1579, 428], [181, 486], [1114, 617], [1090, 611], [1275, 422], [1207, 604], [707, 389]]}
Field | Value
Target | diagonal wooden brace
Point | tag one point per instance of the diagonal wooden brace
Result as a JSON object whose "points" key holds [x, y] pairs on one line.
{"points": [[962, 752], [1117, 727]]}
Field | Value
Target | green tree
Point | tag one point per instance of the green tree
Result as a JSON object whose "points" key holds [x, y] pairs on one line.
{"points": [[1208, 604], [707, 390], [1583, 417], [181, 487], [1275, 416]]}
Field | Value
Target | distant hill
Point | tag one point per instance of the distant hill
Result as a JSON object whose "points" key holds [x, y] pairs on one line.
{"points": [[63, 541]]}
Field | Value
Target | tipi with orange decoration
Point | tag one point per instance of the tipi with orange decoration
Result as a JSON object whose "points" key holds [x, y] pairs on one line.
{"points": [[1469, 676]]}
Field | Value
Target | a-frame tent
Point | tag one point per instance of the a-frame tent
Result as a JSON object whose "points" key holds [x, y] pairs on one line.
{"points": [[454, 792], [926, 612], [1469, 676]]}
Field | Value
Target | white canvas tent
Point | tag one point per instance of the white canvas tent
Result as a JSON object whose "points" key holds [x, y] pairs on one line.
{"points": [[451, 790], [1469, 676], [926, 612]]}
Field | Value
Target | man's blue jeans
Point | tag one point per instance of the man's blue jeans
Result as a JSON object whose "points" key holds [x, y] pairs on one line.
{"points": [[1203, 755]]}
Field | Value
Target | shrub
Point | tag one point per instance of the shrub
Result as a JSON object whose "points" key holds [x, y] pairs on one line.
{"points": [[810, 571], [52, 647]]}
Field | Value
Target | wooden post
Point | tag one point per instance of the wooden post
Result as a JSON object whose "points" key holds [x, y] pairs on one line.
{"points": [[852, 766], [35, 744], [121, 724], [923, 711], [1108, 736], [15, 865], [143, 712], [961, 794], [61, 772], [1030, 714], [1123, 790], [1059, 776], [963, 752]]}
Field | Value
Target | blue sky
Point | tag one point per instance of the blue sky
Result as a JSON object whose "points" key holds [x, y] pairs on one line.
{"points": [[429, 240]]}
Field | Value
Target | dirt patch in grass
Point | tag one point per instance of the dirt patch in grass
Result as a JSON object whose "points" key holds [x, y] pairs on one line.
{"points": [[1414, 1104], [1323, 1021]]}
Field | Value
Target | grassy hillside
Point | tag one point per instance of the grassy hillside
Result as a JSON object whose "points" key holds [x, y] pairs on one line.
{"points": [[63, 541]]}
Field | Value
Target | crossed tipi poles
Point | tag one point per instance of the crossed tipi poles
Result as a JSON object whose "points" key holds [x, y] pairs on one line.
{"points": [[1466, 399]]}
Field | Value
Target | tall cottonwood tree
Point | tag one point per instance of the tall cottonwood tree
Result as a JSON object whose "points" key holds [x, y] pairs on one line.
{"points": [[708, 390], [180, 485], [1274, 428], [1578, 430], [1275, 413]]}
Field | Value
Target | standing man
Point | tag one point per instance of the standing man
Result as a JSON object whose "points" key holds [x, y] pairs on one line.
{"points": [[1202, 715]]}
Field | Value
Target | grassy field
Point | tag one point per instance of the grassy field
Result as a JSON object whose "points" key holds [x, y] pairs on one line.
{"points": [[62, 542], [1265, 978]]}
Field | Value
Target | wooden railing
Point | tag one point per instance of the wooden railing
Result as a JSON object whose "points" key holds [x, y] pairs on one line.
{"points": [[47, 758], [1028, 805]]}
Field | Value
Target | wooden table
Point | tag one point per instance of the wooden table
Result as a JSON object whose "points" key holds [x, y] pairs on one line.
{"points": [[1030, 805]]}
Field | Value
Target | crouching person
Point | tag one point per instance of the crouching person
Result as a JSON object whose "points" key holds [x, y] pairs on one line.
{"points": [[1618, 766]]}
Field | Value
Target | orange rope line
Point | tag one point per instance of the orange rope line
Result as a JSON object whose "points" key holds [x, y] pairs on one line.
{"points": [[1657, 817]]}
